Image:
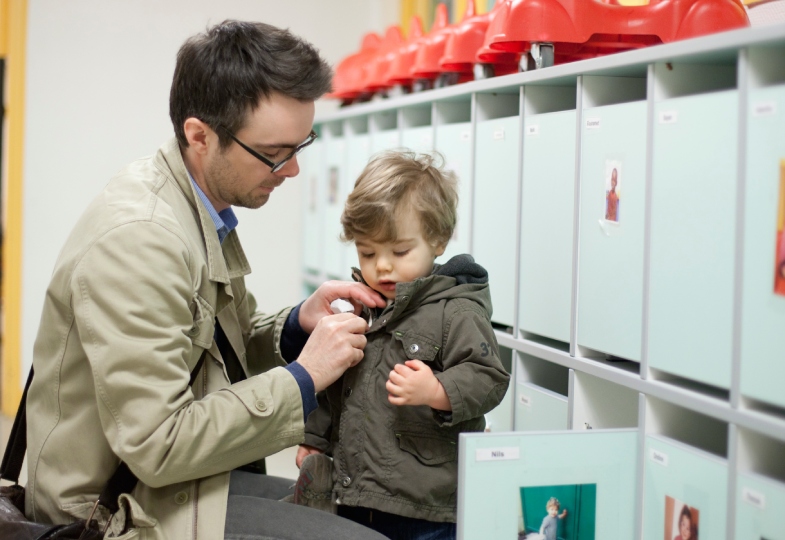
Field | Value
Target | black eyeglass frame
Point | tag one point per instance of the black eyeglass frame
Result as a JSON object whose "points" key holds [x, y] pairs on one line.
{"points": [[275, 167]]}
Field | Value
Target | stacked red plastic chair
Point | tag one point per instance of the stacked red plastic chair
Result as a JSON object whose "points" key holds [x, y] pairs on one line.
{"points": [[427, 67], [491, 62], [350, 73], [376, 80], [562, 30], [400, 73]]}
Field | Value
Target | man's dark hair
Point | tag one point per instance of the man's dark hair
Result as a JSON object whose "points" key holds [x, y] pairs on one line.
{"points": [[222, 74]]}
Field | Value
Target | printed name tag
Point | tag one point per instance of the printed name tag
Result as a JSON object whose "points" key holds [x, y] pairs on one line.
{"points": [[498, 135], [765, 108], [592, 123], [498, 454], [668, 117], [525, 400], [754, 498], [659, 457], [533, 130], [465, 135]]}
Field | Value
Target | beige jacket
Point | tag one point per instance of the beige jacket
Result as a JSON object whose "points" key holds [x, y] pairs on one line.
{"points": [[129, 310]]}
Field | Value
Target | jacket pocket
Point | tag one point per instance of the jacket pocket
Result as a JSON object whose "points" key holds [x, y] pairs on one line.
{"points": [[203, 328], [416, 347], [426, 448]]}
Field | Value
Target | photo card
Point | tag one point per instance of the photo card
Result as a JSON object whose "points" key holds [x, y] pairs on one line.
{"points": [[681, 520], [613, 178], [561, 511], [779, 270]]}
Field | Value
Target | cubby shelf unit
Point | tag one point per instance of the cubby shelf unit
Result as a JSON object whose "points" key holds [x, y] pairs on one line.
{"points": [[684, 325]]}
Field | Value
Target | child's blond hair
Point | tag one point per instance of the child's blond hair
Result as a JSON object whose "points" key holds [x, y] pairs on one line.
{"points": [[553, 501], [398, 180]]}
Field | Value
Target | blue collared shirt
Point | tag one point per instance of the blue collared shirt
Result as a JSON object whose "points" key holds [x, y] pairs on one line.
{"points": [[293, 337]]}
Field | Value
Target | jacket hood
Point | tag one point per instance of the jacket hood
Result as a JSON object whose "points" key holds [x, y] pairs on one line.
{"points": [[464, 269]]}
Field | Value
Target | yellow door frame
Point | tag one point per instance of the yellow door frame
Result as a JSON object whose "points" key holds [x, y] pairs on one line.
{"points": [[13, 41]]}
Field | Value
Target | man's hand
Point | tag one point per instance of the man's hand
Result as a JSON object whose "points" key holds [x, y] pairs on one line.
{"points": [[335, 345], [318, 304], [413, 383], [303, 452]]}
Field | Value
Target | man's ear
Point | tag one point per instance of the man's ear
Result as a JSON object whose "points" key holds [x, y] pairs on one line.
{"points": [[198, 134]]}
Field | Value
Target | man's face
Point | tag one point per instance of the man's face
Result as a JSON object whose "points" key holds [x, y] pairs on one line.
{"points": [[234, 177]]}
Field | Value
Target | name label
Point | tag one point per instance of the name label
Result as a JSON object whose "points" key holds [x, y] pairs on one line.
{"points": [[758, 500], [765, 108], [669, 117], [498, 454], [465, 135], [525, 400], [592, 123], [533, 130], [659, 457], [498, 135]]}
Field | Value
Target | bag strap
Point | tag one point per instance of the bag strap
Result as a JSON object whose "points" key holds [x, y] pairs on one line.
{"points": [[122, 481], [14, 454]]}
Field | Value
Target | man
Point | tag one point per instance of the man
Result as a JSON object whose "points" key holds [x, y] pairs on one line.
{"points": [[151, 280]]}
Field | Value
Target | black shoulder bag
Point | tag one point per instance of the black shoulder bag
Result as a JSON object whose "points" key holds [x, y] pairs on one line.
{"points": [[13, 523]]}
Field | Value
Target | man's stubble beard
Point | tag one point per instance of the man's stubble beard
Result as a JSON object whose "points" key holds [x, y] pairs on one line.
{"points": [[226, 182]]}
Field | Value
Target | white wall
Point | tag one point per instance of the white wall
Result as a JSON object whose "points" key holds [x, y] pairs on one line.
{"points": [[98, 77]]}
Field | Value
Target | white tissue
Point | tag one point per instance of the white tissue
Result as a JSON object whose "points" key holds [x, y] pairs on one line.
{"points": [[340, 305]]}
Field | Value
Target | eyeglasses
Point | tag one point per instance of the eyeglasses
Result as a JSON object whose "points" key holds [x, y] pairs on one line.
{"points": [[275, 167]]}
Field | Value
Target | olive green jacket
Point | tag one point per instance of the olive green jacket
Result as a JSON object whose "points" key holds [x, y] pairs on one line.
{"points": [[131, 306], [403, 459]]}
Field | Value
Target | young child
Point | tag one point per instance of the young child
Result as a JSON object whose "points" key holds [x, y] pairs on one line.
{"points": [[431, 366], [550, 523]]}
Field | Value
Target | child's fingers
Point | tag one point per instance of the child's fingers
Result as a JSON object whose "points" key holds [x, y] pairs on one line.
{"points": [[403, 369], [416, 365]]}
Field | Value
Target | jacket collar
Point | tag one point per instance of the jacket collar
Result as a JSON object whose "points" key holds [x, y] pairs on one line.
{"points": [[224, 261]]}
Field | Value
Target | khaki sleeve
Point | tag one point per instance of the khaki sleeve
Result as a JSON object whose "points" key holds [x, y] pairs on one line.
{"points": [[131, 298]]}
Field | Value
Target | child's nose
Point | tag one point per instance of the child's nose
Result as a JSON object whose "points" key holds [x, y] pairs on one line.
{"points": [[383, 264]]}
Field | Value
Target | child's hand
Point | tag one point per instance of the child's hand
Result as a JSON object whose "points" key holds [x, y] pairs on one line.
{"points": [[303, 452], [413, 383], [563, 514]]}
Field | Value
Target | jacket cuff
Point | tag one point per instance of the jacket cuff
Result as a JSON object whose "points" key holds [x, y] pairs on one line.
{"points": [[293, 337], [307, 390]]}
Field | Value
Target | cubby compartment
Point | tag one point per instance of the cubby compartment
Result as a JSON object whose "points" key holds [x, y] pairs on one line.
{"points": [[333, 194], [417, 128], [685, 464], [541, 395], [500, 419], [454, 142], [310, 173], [763, 286], [760, 487], [693, 221], [547, 211], [385, 134], [612, 215], [682, 483], [496, 183], [599, 404]]}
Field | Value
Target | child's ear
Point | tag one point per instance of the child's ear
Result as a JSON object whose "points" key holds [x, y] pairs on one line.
{"points": [[440, 250]]}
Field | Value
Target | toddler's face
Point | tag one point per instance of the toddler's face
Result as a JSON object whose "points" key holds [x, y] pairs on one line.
{"points": [[405, 259], [553, 510]]}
